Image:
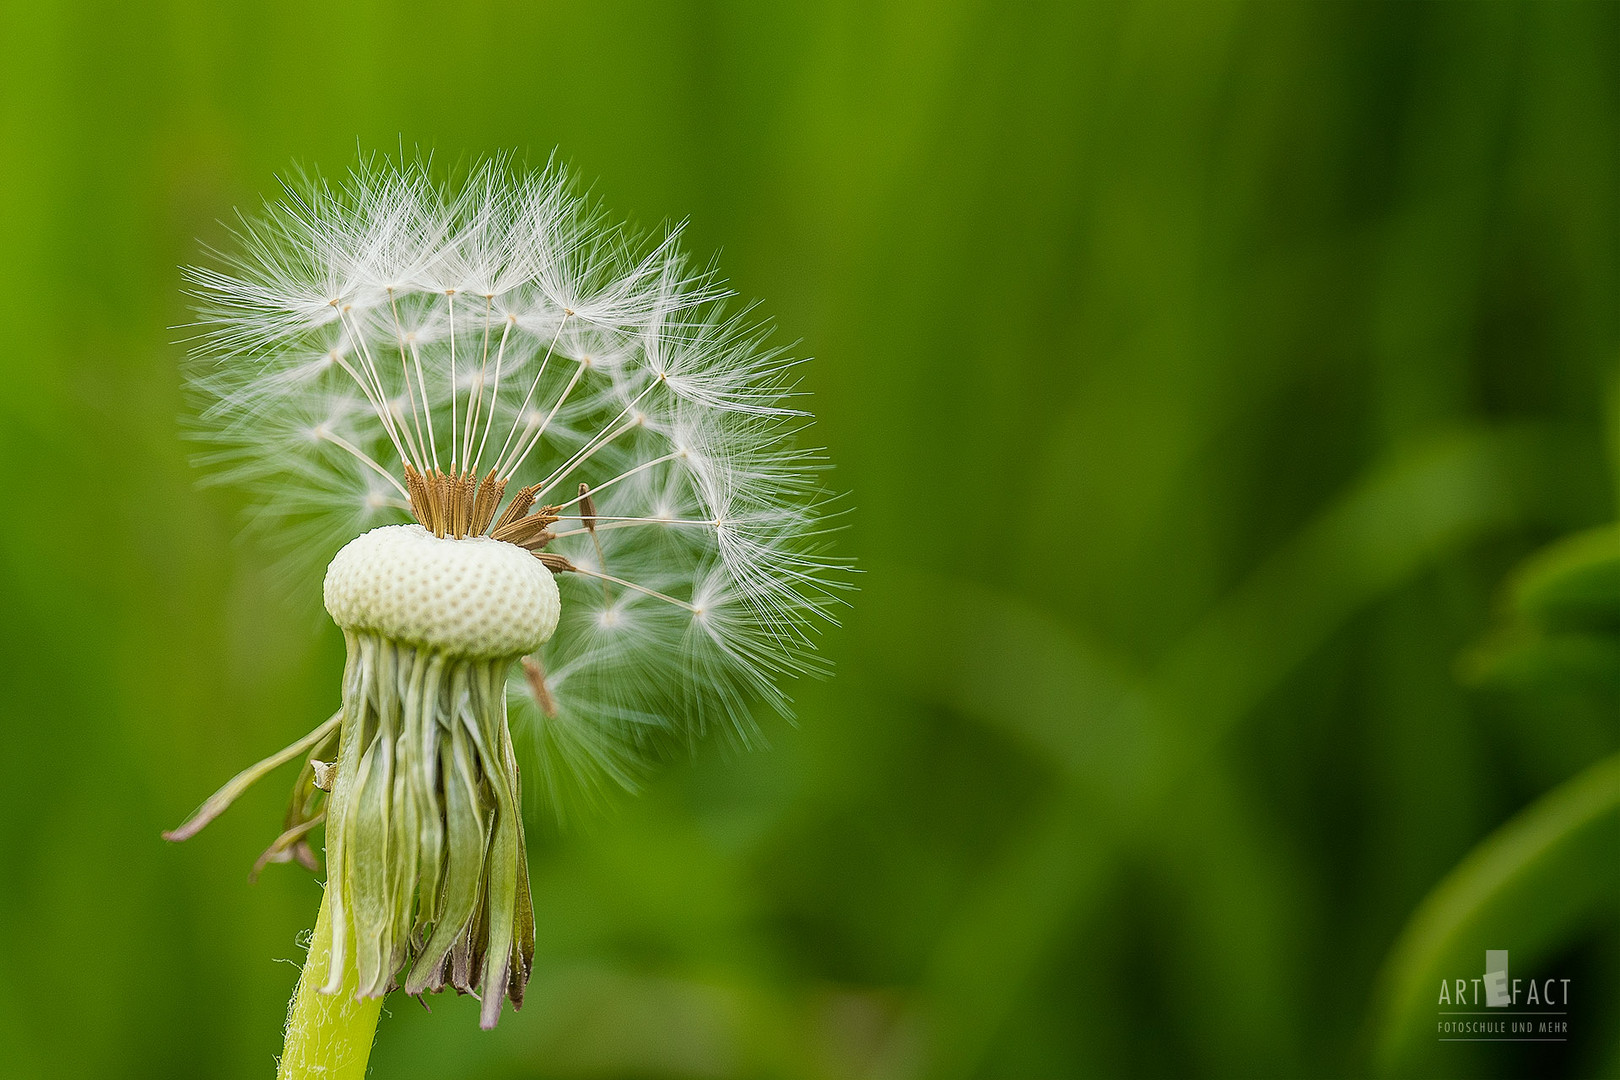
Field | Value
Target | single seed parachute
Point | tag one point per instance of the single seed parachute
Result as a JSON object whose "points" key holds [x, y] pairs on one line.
{"points": [[536, 437]]}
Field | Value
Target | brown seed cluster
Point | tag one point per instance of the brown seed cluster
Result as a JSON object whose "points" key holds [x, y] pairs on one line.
{"points": [[458, 505], [455, 504]]}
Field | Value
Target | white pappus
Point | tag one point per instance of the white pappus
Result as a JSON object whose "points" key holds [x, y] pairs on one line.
{"points": [[507, 325]]}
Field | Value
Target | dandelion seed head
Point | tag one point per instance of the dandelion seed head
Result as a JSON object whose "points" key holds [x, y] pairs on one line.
{"points": [[389, 323]]}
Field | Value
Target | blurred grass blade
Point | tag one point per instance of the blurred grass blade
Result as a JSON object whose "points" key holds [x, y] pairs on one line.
{"points": [[1558, 626], [1573, 582], [1400, 517], [1526, 887]]}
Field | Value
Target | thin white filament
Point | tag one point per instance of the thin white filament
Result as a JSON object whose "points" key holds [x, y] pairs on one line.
{"points": [[589, 450], [629, 524], [517, 416], [427, 406], [476, 395], [450, 298], [379, 406], [371, 368], [494, 393], [360, 455], [713, 523], [668, 599], [622, 476], [433, 443]]}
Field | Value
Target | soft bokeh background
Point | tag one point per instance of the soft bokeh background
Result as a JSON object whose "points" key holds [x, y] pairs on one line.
{"points": [[1201, 374]]}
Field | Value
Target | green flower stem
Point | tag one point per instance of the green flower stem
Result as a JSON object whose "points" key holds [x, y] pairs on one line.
{"points": [[328, 1035]]}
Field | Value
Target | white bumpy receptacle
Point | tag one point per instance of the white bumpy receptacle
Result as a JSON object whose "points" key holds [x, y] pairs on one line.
{"points": [[471, 597]]}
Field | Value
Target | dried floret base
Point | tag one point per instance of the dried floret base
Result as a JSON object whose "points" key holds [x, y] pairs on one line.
{"points": [[426, 872], [427, 876]]}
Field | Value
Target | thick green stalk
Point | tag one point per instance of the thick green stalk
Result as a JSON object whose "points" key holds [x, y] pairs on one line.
{"points": [[328, 1035]]}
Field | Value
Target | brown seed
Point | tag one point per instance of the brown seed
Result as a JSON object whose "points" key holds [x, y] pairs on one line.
{"points": [[537, 685]]}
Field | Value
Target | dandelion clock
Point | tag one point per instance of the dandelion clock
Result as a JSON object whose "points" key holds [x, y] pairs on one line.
{"points": [[551, 471]]}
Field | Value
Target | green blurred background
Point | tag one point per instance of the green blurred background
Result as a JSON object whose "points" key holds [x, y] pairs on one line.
{"points": [[1201, 374]]}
